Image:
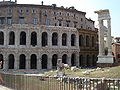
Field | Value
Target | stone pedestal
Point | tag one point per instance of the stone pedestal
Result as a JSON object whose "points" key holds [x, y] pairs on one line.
{"points": [[105, 61]]}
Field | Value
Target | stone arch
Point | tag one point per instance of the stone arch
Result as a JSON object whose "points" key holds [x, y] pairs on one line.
{"points": [[22, 38], [81, 40], [73, 60], [73, 40], [44, 39], [54, 61], [33, 61], [11, 61], [54, 38], [93, 41], [1, 59], [11, 38], [93, 60], [1, 38], [33, 38], [87, 41], [64, 39], [81, 58], [64, 59], [44, 61], [22, 63], [88, 62]]}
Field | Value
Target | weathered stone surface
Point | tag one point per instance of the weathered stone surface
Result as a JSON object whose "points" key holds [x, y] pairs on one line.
{"points": [[105, 39], [38, 50]]}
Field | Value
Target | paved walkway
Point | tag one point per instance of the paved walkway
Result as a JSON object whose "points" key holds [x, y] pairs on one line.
{"points": [[4, 88]]}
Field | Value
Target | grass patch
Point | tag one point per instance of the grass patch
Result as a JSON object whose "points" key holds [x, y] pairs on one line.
{"points": [[109, 72]]}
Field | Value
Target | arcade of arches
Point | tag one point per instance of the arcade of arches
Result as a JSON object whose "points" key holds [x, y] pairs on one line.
{"points": [[88, 47], [40, 49], [47, 62]]}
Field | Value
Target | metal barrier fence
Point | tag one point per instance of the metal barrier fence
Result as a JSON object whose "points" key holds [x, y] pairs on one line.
{"points": [[26, 82]]}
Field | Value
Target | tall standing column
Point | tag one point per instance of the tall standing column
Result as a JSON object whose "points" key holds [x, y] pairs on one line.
{"points": [[101, 39], [109, 39]]}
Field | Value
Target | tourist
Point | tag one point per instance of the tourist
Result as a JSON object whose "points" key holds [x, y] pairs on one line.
{"points": [[1, 79]]}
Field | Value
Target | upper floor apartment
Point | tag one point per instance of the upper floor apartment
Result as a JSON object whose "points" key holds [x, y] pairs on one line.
{"points": [[13, 13]]}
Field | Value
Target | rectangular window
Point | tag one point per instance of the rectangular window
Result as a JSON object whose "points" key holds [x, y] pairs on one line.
{"points": [[47, 21], [33, 11], [9, 20], [21, 20], [9, 11], [2, 20], [35, 21]]}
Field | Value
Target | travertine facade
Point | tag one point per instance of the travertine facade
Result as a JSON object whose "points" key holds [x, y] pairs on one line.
{"points": [[38, 50], [88, 42], [35, 36]]}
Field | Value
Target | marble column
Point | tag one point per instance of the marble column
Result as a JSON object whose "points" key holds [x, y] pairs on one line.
{"points": [[109, 38], [101, 39]]}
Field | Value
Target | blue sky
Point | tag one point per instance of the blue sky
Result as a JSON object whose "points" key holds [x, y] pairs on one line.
{"points": [[88, 6]]}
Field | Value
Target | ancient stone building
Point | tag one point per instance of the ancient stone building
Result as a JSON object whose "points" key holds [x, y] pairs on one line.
{"points": [[116, 50], [35, 36], [88, 42]]}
